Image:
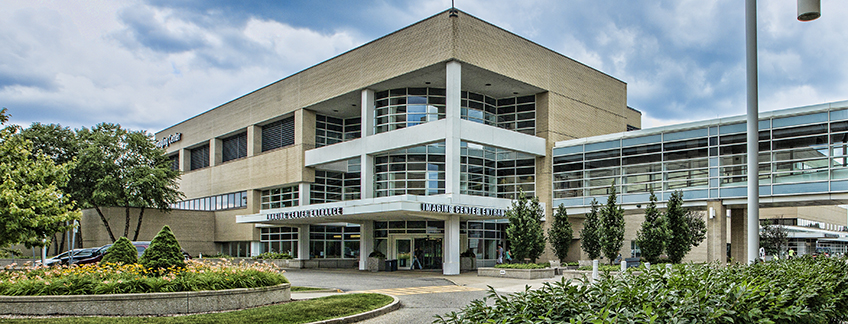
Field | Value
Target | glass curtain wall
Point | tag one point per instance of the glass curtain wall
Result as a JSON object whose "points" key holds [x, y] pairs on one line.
{"points": [[279, 240], [333, 186], [333, 242], [805, 153], [416, 170], [492, 172]]}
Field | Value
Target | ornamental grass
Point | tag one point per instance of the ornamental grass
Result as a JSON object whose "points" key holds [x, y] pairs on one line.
{"points": [[110, 278]]}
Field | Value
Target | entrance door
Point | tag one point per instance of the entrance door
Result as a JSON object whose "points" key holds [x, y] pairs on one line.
{"points": [[403, 249], [429, 252]]}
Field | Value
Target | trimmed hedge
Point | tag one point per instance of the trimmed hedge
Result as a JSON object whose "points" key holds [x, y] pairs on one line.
{"points": [[164, 253], [123, 251], [803, 290]]}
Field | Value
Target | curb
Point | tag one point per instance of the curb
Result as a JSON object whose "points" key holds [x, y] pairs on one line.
{"points": [[394, 305]]}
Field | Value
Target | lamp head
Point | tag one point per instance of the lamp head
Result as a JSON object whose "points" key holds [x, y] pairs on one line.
{"points": [[809, 10]]}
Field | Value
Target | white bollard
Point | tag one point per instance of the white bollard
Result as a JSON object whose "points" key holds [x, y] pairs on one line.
{"points": [[623, 266], [594, 271], [668, 266], [648, 266]]}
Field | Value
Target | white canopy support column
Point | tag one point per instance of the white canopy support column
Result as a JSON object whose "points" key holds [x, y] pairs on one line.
{"points": [[366, 242], [303, 242], [452, 245], [453, 100]]}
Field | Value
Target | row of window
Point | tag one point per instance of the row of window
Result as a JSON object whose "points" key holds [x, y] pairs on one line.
{"points": [[791, 151], [213, 203], [331, 130]]}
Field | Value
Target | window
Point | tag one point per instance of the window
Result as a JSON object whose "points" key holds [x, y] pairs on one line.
{"points": [[200, 157], [174, 161], [330, 130], [333, 242], [280, 197], [234, 147], [278, 134], [279, 240], [220, 202]]}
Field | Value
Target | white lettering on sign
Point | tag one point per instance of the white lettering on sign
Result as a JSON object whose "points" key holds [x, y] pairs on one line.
{"points": [[322, 212], [168, 140], [467, 210]]}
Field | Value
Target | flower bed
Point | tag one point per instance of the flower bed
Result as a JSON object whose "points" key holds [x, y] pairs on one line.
{"points": [[133, 278]]}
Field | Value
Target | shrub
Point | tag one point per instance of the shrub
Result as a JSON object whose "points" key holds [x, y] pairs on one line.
{"points": [[523, 265], [377, 254], [468, 254], [273, 256], [110, 278], [121, 252], [163, 253], [802, 290]]}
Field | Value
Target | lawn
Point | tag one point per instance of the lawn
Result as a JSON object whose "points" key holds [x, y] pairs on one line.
{"points": [[289, 313]]}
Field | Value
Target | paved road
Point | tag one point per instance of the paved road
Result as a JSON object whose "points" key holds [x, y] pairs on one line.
{"points": [[423, 294]]}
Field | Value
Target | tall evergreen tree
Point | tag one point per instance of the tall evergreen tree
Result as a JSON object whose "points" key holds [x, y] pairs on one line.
{"points": [[653, 235], [560, 233], [612, 226], [589, 235], [525, 233], [679, 240]]}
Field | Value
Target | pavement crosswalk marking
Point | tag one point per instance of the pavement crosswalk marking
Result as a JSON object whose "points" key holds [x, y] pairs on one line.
{"points": [[419, 290]]}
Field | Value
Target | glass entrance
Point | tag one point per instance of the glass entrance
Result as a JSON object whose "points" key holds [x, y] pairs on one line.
{"points": [[403, 249], [428, 252]]}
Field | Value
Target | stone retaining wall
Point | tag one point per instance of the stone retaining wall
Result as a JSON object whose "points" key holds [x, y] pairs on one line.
{"points": [[145, 304]]}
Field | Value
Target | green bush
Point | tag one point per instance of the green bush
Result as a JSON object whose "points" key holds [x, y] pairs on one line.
{"points": [[523, 265], [802, 290], [573, 264], [121, 252], [377, 254], [273, 256], [603, 267], [469, 253], [164, 252]]}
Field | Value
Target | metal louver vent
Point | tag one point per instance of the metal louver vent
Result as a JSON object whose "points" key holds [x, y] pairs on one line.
{"points": [[278, 134]]}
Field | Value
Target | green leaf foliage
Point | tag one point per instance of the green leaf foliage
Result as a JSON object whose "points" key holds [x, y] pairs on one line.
{"points": [[654, 233], [774, 239], [560, 233], [32, 206], [590, 234], [164, 252], [523, 265], [525, 233], [802, 290], [612, 227], [123, 251]]}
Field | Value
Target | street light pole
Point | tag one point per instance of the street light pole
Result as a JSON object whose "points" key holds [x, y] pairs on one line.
{"points": [[807, 10], [753, 144]]}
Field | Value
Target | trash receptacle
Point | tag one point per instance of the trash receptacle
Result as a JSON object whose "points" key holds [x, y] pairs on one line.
{"points": [[391, 265]]}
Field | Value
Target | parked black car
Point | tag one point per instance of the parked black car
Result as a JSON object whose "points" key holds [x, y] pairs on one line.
{"points": [[65, 258], [98, 254]]}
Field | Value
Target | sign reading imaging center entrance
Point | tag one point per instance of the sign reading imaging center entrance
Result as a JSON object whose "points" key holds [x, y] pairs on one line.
{"points": [[457, 209], [322, 212]]}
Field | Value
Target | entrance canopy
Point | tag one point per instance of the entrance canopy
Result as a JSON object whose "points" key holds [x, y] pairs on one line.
{"points": [[403, 207]]}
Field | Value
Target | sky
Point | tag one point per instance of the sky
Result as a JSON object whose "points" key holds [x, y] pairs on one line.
{"points": [[152, 64]]}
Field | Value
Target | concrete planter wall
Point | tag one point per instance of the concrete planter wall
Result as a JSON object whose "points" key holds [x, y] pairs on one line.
{"points": [[376, 264], [467, 263], [145, 304], [516, 273]]}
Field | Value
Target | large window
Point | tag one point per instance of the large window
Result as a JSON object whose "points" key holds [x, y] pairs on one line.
{"points": [[234, 147], [333, 186], [200, 157], [492, 172], [333, 242], [331, 130], [416, 170], [400, 108], [279, 240], [278, 134], [281, 197], [174, 161]]}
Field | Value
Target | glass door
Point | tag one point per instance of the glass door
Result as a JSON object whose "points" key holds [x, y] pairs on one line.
{"points": [[428, 251], [403, 249]]}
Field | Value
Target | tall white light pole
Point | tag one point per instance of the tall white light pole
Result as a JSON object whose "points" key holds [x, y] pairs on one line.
{"points": [[807, 10]]}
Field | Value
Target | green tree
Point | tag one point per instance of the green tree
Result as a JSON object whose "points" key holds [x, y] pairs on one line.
{"points": [[612, 226], [32, 207], [686, 229], [654, 233], [163, 253], [590, 234], [774, 239], [115, 168], [123, 251], [560, 233], [525, 233]]}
